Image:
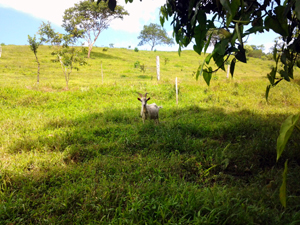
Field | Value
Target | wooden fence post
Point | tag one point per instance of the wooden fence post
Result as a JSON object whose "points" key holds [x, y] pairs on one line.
{"points": [[157, 68]]}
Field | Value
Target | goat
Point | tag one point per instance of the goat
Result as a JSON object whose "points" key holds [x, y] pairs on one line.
{"points": [[148, 111]]}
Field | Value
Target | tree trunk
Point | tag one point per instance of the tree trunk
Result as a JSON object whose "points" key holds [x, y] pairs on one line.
{"points": [[89, 53], [38, 72], [65, 72]]}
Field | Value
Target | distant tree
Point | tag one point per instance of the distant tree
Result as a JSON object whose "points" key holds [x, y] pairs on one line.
{"points": [[153, 35], [88, 19], [66, 54], [248, 49], [34, 45], [111, 45]]}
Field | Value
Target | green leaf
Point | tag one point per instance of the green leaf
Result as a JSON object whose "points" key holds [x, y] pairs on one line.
{"points": [[208, 58], [267, 92], [255, 29], [275, 52], [200, 32], [285, 133], [199, 70], [219, 60], [221, 46], [207, 75], [297, 9], [226, 5], [283, 57], [278, 23], [207, 42], [234, 6], [241, 54], [232, 66], [238, 33], [112, 4], [197, 49], [179, 50], [282, 190], [271, 75]]}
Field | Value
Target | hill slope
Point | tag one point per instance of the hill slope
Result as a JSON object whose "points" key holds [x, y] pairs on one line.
{"points": [[84, 155]]}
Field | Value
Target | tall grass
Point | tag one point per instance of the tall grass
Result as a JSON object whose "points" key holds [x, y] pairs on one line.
{"points": [[84, 155]]}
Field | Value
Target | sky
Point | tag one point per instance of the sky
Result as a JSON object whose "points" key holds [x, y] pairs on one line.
{"points": [[20, 18]]}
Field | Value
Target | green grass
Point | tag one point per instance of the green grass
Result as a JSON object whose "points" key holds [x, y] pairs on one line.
{"points": [[84, 156]]}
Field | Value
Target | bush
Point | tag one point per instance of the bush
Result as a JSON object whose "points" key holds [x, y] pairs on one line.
{"points": [[105, 49], [2, 44], [136, 64], [136, 49], [143, 68], [256, 53], [166, 60]]}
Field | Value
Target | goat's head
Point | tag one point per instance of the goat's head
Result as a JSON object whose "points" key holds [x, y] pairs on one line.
{"points": [[143, 99]]}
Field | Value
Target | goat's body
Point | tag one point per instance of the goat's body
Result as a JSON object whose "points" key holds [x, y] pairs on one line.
{"points": [[149, 111]]}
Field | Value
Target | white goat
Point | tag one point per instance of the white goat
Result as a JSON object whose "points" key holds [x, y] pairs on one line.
{"points": [[149, 111]]}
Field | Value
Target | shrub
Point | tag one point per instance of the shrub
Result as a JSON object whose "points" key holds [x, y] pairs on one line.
{"points": [[256, 53], [136, 64], [166, 60], [143, 68], [105, 49], [136, 49]]}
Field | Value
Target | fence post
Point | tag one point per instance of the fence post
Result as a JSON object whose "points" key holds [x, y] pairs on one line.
{"points": [[157, 68]]}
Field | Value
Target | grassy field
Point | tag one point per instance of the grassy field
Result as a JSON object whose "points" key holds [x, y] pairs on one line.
{"points": [[83, 156]]}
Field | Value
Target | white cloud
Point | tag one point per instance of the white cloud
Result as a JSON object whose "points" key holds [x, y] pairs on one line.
{"points": [[140, 13], [50, 10]]}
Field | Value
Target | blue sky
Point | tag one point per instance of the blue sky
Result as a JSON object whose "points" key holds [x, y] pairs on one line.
{"points": [[19, 18]]}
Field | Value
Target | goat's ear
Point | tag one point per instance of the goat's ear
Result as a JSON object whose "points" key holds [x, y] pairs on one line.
{"points": [[148, 99], [139, 99]]}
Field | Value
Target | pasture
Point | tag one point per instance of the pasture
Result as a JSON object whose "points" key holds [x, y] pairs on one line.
{"points": [[84, 156]]}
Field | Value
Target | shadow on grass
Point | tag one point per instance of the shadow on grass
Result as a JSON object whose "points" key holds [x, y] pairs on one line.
{"points": [[104, 56], [114, 161], [242, 141], [144, 77]]}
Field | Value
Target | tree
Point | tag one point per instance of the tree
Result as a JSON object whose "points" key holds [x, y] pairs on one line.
{"points": [[88, 19], [66, 54], [153, 35], [34, 45]]}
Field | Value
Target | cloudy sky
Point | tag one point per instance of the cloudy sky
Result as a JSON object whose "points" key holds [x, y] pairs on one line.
{"points": [[20, 18]]}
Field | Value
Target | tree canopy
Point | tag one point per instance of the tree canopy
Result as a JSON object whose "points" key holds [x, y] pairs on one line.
{"points": [[154, 34], [66, 54], [88, 19]]}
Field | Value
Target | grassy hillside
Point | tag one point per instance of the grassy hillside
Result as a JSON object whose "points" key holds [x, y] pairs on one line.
{"points": [[84, 156]]}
